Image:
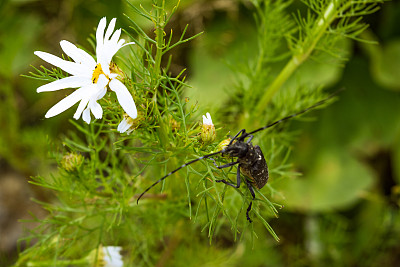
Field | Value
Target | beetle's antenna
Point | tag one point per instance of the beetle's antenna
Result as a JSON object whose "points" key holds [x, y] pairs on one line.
{"points": [[172, 172], [297, 113]]}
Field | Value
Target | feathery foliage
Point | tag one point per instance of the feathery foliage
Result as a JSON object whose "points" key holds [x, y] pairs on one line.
{"points": [[101, 172]]}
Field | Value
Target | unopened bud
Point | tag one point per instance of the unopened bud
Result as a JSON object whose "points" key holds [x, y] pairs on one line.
{"points": [[208, 130], [175, 126], [224, 143], [71, 161]]}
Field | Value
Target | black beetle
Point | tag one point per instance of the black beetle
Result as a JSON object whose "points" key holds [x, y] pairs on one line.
{"points": [[250, 158]]}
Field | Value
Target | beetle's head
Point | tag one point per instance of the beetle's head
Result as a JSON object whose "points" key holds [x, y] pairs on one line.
{"points": [[237, 149]]}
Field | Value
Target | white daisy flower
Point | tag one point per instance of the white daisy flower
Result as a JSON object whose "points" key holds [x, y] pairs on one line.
{"points": [[91, 77]]}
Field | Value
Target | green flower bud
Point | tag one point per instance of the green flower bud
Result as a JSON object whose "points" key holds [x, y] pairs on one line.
{"points": [[224, 143], [71, 161], [208, 134]]}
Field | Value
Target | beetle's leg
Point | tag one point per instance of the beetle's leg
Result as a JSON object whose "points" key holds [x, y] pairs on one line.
{"points": [[237, 178], [224, 166], [250, 138], [251, 202]]}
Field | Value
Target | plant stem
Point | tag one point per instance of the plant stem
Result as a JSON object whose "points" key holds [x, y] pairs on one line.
{"points": [[79, 262], [302, 53], [160, 24]]}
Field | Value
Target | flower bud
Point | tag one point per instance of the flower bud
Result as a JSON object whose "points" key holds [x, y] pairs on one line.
{"points": [[71, 161], [208, 130], [175, 125], [224, 143]]}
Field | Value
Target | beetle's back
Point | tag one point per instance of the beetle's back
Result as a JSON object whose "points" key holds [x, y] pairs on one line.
{"points": [[254, 166]]}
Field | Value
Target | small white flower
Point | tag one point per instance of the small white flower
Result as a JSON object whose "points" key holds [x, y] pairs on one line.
{"points": [[112, 256], [109, 256], [207, 119], [91, 77], [208, 134], [125, 125], [129, 124]]}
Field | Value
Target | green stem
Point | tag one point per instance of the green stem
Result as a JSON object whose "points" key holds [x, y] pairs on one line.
{"points": [[160, 24], [302, 54], [80, 262]]}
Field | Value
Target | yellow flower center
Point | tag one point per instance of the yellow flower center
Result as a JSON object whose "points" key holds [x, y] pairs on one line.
{"points": [[97, 72]]}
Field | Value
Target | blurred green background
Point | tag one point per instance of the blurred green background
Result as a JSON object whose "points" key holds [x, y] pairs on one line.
{"points": [[348, 218]]}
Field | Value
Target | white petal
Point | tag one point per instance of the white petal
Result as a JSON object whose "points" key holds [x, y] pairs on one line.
{"points": [[112, 75], [123, 126], [66, 103], [86, 115], [81, 107], [112, 47], [125, 99], [68, 82], [68, 66], [104, 58], [96, 109], [110, 52], [110, 29], [127, 126], [209, 118], [128, 44], [112, 256], [115, 37], [101, 93], [92, 93], [120, 43], [100, 36], [102, 82], [78, 55]]}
